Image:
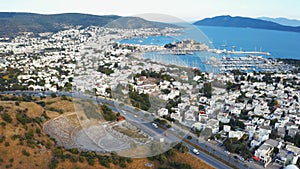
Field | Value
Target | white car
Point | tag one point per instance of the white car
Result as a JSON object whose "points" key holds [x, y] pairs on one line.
{"points": [[227, 152], [154, 125], [195, 151], [242, 159]]}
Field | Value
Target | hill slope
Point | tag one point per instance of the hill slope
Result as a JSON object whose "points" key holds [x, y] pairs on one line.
{"points": [[12, 22], [282, 21], [228, 21]]}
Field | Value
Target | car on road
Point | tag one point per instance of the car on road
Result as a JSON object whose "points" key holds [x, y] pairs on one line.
{"points": [[235, 157], [227, 152], [155, 125], [196, 151], [242, 159]]}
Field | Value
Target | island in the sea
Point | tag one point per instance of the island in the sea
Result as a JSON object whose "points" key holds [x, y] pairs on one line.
{"points": [[245, 22]]}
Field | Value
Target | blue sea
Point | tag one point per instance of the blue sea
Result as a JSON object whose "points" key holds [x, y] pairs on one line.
{"points": [[279, 43]]}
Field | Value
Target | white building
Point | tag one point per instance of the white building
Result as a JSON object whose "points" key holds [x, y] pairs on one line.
{"points": [[236, 134]]}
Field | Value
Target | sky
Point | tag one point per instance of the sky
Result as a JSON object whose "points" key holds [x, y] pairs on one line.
{"points": [[189, 10]]}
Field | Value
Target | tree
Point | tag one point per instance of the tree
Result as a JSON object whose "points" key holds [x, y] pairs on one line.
{"points": [[179, 165], [275, 102], [229, 145], [207, 90], [24, 152], [235, 123], [6, 117], [181, 148], [29, 135], [74, 150], [64, 97], [273, 121], [38, 131], [170, 153], [104, 161], [116, 65], [297, 139], [58, 152], [140, 100], [105, 70], [53, 164], [91, 161], [81, 159], [53, 95], [6, 144], [296, 98], [108, 114], [68, 86], [162, 158], [276, 150]]}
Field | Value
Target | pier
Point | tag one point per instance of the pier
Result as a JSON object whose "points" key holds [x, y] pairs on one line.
{"points": [[224, 51]]}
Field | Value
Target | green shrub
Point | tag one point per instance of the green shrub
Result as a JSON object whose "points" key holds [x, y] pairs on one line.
{"points": [[38, 131], [22, 118], [180, 165], [108, 114], [91, 161], [74, 150], [24, 152], [3, 124], [2, 139], [29, 135], [58, 152], [63, 97], [53, 163], [81, 159], [104, 161], [6, 144], [53, 95], [73, 159], [6, 117], [122, 164], [129, 160]]}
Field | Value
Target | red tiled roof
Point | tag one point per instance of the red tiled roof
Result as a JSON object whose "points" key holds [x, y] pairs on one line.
{"points": [[256, 158]]}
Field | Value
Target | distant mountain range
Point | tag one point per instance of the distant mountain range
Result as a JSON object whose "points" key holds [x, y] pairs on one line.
{"points": [[13, 23], [282, 21], [229, 21]]}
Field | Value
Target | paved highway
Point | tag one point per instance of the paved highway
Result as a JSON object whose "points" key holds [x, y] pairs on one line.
{"points": [[207, 158]]}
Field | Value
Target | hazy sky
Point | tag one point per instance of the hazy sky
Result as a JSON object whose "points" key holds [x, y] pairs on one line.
{"points": [[184, 9]]}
